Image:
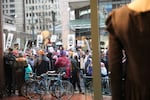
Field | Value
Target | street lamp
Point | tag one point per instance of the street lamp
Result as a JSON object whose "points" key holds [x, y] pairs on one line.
{"points": [[53, 20], [32, 27], [33, 22]]}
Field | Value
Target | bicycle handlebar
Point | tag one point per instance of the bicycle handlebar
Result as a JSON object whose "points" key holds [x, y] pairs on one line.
{"points": [[55, 74]]}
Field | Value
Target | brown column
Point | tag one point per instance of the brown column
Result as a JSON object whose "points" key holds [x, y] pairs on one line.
{"points": [[1, 51]]}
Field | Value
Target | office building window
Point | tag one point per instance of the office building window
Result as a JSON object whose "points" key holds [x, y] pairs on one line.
{"points": [[12, 11], [27, 27], [11, 0], [26, 1], [12, 6], [26, 14]]}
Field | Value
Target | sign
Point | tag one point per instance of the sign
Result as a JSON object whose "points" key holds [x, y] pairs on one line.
{"points": [[71, 41], [80, 43], [39, 40], [9, 40], [51, 49], [18, 42], [53, 38], [25, 47]]}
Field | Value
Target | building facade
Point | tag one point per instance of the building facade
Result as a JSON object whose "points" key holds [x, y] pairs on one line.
{"points": [[10, 8], [32, 17], [82, 23], [39, 14]]}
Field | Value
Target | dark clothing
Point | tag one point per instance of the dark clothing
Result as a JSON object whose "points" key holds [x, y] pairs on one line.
{"points": [[75, 79], [49, 55], [42, 65], [129, 30], [19, 72], [9, 72]]}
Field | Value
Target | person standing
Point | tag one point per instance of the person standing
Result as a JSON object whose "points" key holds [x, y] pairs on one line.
{"points": [[9, 60], [42, 63], [20, 65], [128, 28], [75, 70]]}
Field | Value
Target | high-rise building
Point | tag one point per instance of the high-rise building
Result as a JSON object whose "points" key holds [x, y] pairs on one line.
{"points": [[32, 13], [41, 15], [32, 16], [14, 9], [8, 7], [82, 23]]}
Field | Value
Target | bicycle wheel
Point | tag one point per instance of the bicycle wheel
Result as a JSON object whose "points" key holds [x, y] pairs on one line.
{"points": [[33, 91], [57, 90], [90, 87], [68, 90], [24, 90], [63, 89]]}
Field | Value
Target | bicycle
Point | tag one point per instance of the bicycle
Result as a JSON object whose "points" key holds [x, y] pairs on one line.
{"points": [[48, 83], [31, 85]]}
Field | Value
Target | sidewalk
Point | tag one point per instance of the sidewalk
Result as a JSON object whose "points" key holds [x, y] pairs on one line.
{"points": [[86, 96], [74, 97]]}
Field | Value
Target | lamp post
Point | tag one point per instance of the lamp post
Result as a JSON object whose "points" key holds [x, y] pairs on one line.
{"points": [[32, 26], [53, 20]]}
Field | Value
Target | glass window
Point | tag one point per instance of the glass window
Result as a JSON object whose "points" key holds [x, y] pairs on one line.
{"points": [[12, 5], [11, 0]]}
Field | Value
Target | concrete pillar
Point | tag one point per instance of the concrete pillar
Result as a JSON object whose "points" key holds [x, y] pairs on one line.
{"points": [[65, 21], [2, 82]]}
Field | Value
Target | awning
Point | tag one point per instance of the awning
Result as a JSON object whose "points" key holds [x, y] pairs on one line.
{"points": [[83, 23], [78, 4]]}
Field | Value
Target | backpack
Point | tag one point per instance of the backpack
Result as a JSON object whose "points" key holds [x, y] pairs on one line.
{"points": [[28, 71], [10, 59]]}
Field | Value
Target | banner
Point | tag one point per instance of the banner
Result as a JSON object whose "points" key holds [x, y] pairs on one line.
{"points": [[9, 40]]}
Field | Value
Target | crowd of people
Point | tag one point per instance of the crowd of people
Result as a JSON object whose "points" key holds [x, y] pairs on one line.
{"points": [[73, 63]]}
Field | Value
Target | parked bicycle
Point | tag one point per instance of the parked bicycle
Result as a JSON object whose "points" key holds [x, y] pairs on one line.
{"points": [[48, 83]]}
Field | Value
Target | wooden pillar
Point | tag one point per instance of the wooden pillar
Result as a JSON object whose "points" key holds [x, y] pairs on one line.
{"points": [[95, 49], [2, 82]]}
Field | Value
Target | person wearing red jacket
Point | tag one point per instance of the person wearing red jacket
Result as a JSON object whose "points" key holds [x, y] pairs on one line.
{"points": [[63, 64]]}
